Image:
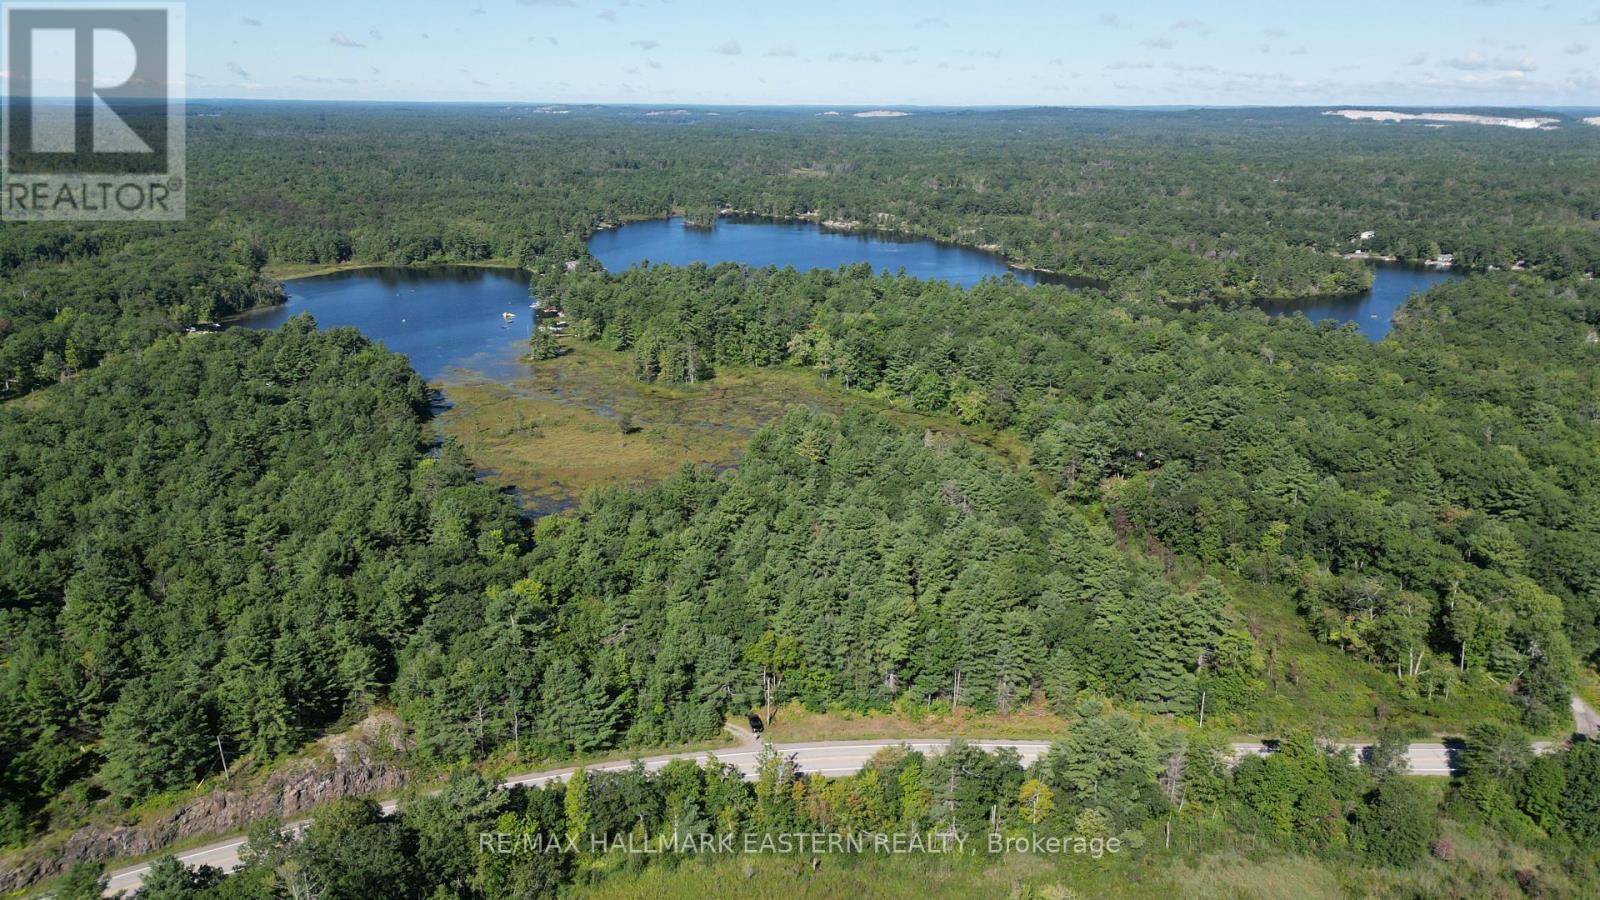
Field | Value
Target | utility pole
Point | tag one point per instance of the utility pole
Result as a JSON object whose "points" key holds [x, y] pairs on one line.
{"points": [[225, 773], [1202, 709]]}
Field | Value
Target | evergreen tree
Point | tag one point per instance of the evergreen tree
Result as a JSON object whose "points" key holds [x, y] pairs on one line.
{"points": [[544, 344], [155, 739], [1398, 822], [1580, 806], [576, 711]]}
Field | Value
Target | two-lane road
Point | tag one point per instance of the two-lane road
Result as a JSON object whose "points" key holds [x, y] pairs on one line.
{"points": [[819, 757]]}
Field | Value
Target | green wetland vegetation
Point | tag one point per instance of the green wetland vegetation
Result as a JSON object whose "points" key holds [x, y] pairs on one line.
{"points": [[1108, 505]]}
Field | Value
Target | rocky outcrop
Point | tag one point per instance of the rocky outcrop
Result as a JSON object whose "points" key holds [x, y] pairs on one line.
{"points": [[348, 768]]}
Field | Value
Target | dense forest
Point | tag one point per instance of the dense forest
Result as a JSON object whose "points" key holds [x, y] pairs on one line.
{"points": [[1427, 495], [229, 536], [229, 543], [1243, 204], [115, 293], [841, 563]]}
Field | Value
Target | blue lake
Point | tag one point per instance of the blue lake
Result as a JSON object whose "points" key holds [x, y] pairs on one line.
{"points": [[1372, 312], [767, 242], [441, 317]]}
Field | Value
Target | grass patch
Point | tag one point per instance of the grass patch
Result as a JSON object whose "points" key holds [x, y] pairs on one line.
{"points": [[33, 400], [1588, 685], [1246, 879], [910, 877]]}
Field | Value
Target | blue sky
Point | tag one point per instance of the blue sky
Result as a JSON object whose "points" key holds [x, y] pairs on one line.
{"points": [[864, 52]]}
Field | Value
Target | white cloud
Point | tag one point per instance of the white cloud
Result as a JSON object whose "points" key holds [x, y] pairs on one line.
{"points": [[728, 48], [343, 40], [1479, 63]]}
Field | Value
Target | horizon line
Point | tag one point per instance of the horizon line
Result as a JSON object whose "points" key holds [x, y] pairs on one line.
{"points": [[625, 104]]}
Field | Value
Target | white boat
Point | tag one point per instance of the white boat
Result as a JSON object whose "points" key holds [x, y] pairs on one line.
{"points": [[508, 315]]}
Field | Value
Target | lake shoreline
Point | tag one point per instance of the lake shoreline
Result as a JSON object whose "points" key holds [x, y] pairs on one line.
{"points": [[292, 271], [1076, 278], [286, 272], [1041, 275], [854, 227], [438, 315]]}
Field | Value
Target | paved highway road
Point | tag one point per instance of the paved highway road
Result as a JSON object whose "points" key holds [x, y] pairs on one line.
{"points": [[823, 757]]}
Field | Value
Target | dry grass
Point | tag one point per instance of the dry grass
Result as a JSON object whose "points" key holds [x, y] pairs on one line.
{"points": [[1272, 879]]}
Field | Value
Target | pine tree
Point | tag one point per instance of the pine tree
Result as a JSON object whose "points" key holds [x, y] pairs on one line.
{"points": [[155, 738], [1399, 822], [577, 712], [544, 344], [1580, 807], [1543, 790], [622, 331]]}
